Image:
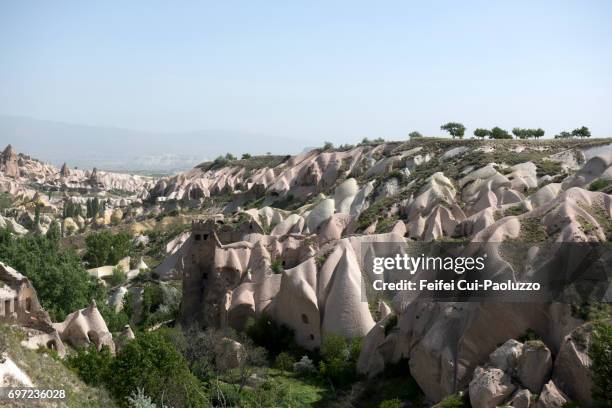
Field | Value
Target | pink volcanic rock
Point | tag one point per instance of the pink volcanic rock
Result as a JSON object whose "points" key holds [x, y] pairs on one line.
{"points": [[346, 308], [592, 170], [333, 228], [543, 196], [85, 327], [476, 222], [571, 371], [296, 303]]}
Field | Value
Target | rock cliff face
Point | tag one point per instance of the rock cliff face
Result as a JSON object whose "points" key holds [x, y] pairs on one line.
{"points": [[302, 264]]}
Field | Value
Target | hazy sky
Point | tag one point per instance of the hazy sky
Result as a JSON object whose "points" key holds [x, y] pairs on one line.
{"points": [[310, 70]]}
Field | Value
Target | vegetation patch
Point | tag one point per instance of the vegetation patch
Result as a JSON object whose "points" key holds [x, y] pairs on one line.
{"points": [[47, 372], [377, 210], [532, 230], [515, 210], [62, 283], [600, 352], [453, 401], [600, 185]]}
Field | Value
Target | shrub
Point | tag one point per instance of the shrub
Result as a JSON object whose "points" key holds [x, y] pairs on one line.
{"points": [[284, 361], [118, 277], [138, 399], [338, 359], [451, 401], [246, 156], [529, 335], [160, 302], [599, 184], [91, 365], [152, 363], [277, 266], [305, 366], [390, 403], [600, 352], [328, 146]]}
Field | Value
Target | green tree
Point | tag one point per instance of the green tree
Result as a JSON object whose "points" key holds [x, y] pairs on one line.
{"points": [[246, 156], [538, 133], [563, 135], [456, 130], [499, 133], [415, 135], [581, 132], [230, 157], [328, 146], [61, 282], [481, 133], [519, 133], [106, 248]]}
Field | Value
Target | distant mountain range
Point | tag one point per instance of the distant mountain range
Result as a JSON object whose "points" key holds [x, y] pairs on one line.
{"points": [[124, 149]]}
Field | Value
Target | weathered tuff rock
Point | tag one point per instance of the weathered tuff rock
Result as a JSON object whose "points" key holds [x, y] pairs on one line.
{"points": [[490, 387], [506, 357], [85, 327], [521, 399], [534, 365], [571, 372], [551, 397]]}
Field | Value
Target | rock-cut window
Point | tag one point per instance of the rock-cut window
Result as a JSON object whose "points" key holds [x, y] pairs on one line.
{"points": [[304, 318]]}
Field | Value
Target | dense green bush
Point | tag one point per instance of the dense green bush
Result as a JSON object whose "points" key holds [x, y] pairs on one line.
{"points": [[599, 185], [600, 352], [160, 302], [91, 365], [284, 361], [118, 277], [273, 336], [452, 401], [61, 282], [106, 248], [339, 359], [153, 364]]}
